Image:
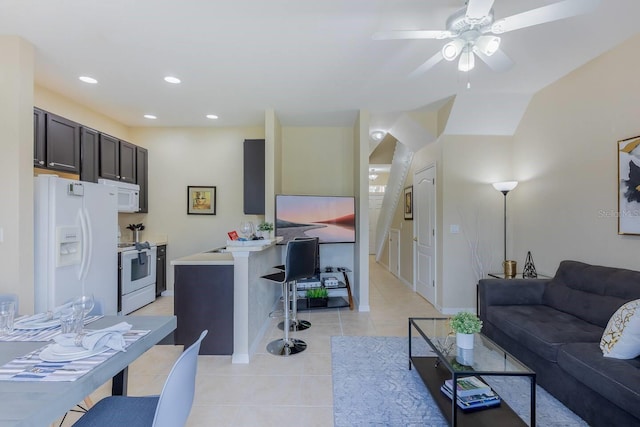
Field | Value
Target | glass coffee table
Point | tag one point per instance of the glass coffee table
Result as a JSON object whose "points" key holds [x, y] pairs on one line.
{"points": [[444, 362]]}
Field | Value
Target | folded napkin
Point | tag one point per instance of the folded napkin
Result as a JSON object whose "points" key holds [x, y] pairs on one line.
{"points": [[108, 337]]}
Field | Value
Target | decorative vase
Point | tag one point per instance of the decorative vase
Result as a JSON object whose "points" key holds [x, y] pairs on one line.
{"points": [[464, 340]]}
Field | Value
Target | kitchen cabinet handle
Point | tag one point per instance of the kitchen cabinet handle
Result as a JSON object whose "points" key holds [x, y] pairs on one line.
{"points": [[124, 177], [41, 162], [118, 176], [61, 164]]}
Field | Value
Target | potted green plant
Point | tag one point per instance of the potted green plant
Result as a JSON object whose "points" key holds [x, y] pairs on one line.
{"points": [[265, 229], [465, 324], [318, 297]]}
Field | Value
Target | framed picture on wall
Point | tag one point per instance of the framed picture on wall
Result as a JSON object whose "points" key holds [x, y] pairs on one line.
{"points": [[408, 202], [629, 186], [201, 200]]}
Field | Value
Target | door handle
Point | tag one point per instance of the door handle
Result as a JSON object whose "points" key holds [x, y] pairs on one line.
{"points": [[415, 239]]}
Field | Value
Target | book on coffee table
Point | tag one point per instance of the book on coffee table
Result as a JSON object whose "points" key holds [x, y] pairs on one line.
{"points": [[479, 401], [469, 386]]}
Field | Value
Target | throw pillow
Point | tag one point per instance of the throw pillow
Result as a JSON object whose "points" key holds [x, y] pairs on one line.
{"points": [[621, 338]]}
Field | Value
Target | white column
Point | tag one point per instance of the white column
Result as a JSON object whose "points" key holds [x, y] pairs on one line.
{"points": [[16, 169]]}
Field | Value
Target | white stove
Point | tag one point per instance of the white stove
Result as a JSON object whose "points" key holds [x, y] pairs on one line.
{"points": [[137, 280]]}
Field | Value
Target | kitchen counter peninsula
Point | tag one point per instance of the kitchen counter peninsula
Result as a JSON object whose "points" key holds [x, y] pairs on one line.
{"points": [[221, 290]]}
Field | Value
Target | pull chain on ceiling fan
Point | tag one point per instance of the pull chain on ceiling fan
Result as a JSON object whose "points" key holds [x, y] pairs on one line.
{"points": [[474, 32]]}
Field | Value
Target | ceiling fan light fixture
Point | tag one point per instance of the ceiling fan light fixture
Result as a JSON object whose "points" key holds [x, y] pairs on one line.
{"points": [[488, 45], [467, 61], [451, 50]]}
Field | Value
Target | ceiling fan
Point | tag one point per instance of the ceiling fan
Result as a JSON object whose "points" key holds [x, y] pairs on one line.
{"points": [[474, 32]]}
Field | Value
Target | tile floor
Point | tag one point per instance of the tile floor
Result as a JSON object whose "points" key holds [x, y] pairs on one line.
{"points": [[271, 389]]}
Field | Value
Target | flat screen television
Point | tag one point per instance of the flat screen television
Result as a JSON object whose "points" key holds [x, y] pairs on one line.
{"points": [[332, 219]]}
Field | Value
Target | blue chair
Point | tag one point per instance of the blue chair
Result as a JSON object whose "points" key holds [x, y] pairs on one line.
{"points": [[170, 409]]}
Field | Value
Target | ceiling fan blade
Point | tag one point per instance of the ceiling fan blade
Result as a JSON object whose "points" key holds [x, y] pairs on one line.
{"points": [[499, 61], [553, 12], [477, 9], [427, 65], [412, 34]]}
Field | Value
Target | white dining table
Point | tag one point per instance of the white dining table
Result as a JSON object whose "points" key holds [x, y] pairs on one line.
{"points": [[39, 403]]}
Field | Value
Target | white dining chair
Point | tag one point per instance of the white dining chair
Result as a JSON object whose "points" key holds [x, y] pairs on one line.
{"points": [[170, 409]]}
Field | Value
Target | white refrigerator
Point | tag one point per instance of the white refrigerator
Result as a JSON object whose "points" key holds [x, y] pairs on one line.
{"points": [[75, 246]]}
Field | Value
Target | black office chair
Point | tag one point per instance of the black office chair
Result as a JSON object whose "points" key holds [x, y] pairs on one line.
{"points": [[300, 263]]}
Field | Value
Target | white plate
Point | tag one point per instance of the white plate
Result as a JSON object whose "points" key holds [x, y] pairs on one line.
{"points": [[66, 350], [29, 325], [48, 355]]}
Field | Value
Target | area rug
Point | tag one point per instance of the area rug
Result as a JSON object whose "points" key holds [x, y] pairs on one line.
{"points": [[372, 386]]}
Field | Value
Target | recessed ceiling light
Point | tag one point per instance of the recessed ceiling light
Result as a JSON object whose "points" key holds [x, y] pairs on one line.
{"points": [[88, 79], [150, 116], [212, 116], [377, 135], [171, 79]]}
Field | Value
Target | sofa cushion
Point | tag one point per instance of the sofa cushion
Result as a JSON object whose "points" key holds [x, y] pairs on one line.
{"points": [[615, 380], [621, 337], [591, 292], [542, 329]]}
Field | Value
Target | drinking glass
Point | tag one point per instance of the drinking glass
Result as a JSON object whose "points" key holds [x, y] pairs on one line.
{"points": [[7, 312], [71, 321], [83, 306], [246, 228]]}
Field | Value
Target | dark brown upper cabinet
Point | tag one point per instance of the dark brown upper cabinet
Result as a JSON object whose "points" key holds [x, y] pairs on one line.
{"points": [[109, 157], [89, 154], [142, 176], [62, 144], [39, 139], [127, 162], [117, 159]]}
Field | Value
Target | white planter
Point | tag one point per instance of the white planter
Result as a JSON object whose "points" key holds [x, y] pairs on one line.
{"points": [[464, 340], [464, 356]]}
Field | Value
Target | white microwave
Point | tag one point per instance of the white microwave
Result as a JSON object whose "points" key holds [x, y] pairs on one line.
{"points": [[128, 195]]}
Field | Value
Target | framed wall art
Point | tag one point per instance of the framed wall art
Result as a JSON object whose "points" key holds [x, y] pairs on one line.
{"points": [[629, 186], [408, 202], [201, 200]]}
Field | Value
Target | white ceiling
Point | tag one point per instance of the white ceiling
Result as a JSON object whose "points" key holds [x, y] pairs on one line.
{"points": [[313, 62]]}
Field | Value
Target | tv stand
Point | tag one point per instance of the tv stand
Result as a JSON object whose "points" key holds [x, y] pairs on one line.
{"points": [[332, 301]]}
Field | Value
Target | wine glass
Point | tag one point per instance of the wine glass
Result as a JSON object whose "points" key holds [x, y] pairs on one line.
{"points": [[83, 305], [246, 228]]}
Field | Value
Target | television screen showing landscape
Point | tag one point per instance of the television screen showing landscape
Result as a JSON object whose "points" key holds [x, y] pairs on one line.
{"points": [[330, 218]]}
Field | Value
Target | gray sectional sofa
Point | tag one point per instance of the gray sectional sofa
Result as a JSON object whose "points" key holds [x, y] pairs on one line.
{"points": [[554, 326]]}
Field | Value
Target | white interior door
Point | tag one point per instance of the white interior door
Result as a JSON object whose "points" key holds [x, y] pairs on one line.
{"points": [[424, 227], [375, 204], [394, 252]]}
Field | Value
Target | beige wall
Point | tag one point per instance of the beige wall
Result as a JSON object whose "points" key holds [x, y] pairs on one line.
{"points": [[16, 166], [361, 185], [181, 157], [471, 164], [465, 168], [62, 106], [317, 161], [566, 161]]}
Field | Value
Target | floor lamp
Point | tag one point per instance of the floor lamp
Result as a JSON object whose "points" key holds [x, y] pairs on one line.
{"points": [[504, 188]]}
